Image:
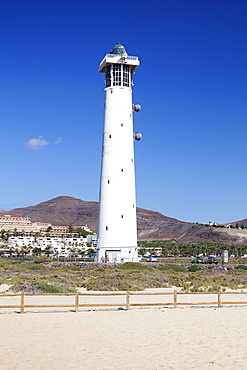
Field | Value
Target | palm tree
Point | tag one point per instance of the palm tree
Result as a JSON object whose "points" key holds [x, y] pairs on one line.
{"points": [[70, 229], [16, 233], [90, 251], [142, 251], [48, 250], [36, 251], [82, 253], [2, 232]]}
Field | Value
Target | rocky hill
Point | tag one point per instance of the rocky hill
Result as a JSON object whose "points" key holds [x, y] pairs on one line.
{"points": [[151, 225], [240, 223], [62, 211], [67, 211]]}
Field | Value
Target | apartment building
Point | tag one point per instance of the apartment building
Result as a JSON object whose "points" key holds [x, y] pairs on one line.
{"points": [[19, 223], [22, 241], [56, 244]]}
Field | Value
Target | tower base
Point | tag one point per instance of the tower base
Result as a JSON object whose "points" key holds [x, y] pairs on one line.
{"points": [[117, 255]]}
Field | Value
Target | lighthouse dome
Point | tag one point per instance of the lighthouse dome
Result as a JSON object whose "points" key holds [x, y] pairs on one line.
{"points": [[119, 50]]}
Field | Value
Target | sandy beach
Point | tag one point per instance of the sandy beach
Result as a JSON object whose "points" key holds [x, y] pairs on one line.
{"points": [[142, 338]]}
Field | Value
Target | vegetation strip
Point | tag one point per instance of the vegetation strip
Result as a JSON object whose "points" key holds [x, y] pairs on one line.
{"points": [[51, 277]]}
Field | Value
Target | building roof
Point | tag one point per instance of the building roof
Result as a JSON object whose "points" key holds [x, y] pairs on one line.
{"points": [[118, 55], [119, 50]]}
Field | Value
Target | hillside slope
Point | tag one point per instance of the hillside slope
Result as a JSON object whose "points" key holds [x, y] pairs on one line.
{"points": [[151, 225], [66, 210]]}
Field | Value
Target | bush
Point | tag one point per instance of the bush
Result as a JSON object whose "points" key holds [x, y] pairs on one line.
{"points": [[194, 268], [126, 280], [49, 288], [34, 266], [9, 265], [41, 259], [113, 283], [133, 266], [241, 267], [172, 267]]}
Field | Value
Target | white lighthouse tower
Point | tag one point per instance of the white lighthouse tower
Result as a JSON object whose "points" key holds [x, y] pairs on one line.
{"points": [[117, 231]]}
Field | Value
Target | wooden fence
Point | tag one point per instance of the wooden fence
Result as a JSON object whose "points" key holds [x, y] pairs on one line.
{"points": [[76, 305]]}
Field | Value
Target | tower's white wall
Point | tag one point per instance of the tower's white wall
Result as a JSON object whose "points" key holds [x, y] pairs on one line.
{"points": [[117, 213]]}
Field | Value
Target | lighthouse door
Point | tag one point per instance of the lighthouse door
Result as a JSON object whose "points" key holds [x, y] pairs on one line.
{"points": [[114, 256]]}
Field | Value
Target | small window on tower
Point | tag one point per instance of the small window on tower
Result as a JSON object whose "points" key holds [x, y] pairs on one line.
{"points": [[121, 124], [121, 216], [109, 136], [117, 74], [121, 169], [132, 160], [108, 181], [106, 227], [108, 77], [126, 75]]}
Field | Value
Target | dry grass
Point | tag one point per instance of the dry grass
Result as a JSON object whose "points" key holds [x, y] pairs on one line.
{"points": [[67, 277]]}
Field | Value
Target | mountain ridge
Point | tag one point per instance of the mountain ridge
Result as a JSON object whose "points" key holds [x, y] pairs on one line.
{"points": [[151, 225]]}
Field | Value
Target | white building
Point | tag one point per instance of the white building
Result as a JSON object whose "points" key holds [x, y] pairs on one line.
{"points": [[20, 241], [117, 231], [93, 240], [21, 224], [18, 223], [56, 244]]}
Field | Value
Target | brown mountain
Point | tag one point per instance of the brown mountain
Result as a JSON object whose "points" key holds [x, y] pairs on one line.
{"points": [[67, 211], [240, 223], [62, 211], [151, 225]]}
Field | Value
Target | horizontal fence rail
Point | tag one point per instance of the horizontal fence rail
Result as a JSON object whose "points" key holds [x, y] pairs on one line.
{"points": [[127, 303]]}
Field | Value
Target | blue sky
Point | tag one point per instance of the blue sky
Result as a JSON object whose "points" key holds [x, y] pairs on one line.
{"points": [[192, 85]]}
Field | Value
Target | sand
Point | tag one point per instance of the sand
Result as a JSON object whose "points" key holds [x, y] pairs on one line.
{"points": [[142, 338]]}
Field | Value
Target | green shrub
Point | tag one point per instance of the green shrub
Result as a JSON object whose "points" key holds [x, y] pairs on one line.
{"points": [[41, 259], [66, 268], [172, 267], [9, 264], [113, 283], [34, 266], [241, 267], [133, 266], [194, 268], [49, 288], [111, 280]]}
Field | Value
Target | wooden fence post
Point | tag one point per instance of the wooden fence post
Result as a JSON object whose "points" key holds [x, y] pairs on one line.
{"points": [[127, 300], [175, 299], [219, 300], [22, 302], [76, 301]]}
